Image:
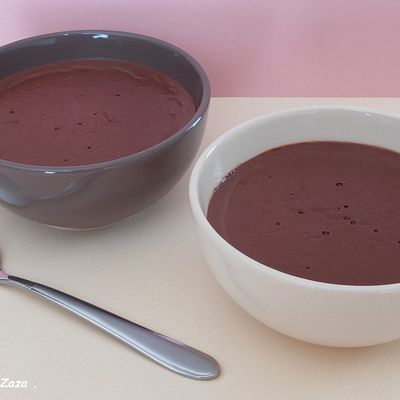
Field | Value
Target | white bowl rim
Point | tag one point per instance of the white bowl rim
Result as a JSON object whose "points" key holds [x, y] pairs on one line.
{"points": [[251, 263]]}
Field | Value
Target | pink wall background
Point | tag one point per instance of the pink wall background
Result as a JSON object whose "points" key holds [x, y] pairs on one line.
{"points": [[248, 47]]}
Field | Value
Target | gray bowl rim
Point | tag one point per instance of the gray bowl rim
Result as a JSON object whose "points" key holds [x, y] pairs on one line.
{"points": [[203, 106]]}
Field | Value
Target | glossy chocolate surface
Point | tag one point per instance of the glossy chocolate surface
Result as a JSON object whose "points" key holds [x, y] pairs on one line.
{"points": [[325, 211], [88, 111]]}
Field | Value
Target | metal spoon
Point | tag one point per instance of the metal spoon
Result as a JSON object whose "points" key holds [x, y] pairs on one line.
{"points": [[169, 353]]}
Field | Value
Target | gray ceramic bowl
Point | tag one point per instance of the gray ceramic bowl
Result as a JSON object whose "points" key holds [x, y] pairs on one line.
{"points": [[101, 194]]}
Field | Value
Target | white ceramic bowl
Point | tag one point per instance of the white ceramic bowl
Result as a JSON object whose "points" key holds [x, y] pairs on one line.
{"points": [[316, 312]]}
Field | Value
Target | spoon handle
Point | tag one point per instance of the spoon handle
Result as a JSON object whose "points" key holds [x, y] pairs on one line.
{"points": [[175, 356]]}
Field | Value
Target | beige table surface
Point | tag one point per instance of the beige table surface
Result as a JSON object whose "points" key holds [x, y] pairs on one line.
{"points": [[149, 269]]}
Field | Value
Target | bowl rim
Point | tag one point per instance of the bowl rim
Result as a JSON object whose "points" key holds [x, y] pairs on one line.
{"points": [[200, 217], [197, 117]]}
